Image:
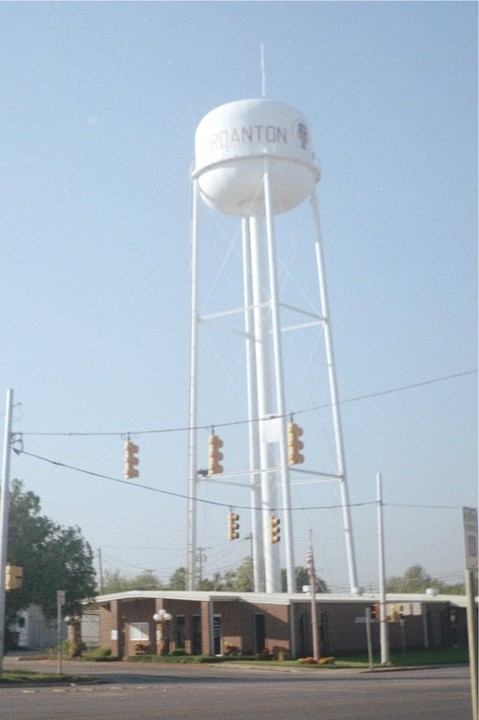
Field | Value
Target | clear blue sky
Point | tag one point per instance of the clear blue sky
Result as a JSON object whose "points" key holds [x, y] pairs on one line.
{"points": [[100, 105]]}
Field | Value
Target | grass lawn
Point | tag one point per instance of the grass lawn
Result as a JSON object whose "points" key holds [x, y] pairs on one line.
{"points": [[450, 656], [26, 677], [416, 658]]}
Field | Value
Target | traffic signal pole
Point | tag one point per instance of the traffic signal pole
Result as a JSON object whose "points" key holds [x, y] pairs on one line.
{"points": [[4, 507]]}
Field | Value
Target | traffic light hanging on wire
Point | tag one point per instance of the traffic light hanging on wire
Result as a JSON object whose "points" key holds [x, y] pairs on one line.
{"points": [[215, 456], [131, 460], [295, 445], [233, 526], [275, 529]]}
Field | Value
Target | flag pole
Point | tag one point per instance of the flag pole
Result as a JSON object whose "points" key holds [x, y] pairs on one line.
{"points": [[314, 610]]}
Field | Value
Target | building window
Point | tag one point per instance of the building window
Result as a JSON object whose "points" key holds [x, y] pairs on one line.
{"points": [[140, 632], [180, 631]]}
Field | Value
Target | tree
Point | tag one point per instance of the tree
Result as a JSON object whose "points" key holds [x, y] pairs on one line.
{"points": [[115, 582], [302, 578], [178, 579], [52, 557], [244, 579], [417, 580]]}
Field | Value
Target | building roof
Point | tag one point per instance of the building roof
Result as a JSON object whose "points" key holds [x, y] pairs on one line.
{"points": [[280, 598]]}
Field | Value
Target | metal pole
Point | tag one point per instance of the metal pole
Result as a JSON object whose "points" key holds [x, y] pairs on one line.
{"points": [[279, 385], [472, 639], [100, 569], [261, 305], [314, 609], [383, 621], [368, 637], [252, 391], [59, 636], [328, 343], [4, 507]]}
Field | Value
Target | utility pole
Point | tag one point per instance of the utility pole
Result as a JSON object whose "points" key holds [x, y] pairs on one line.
{"points": [[312, 590], [383, 621], [4, 507], [200, 559], [100, 569], [471, 567]]}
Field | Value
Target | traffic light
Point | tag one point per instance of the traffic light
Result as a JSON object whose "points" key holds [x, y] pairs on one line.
{"points": [[131, 460], [294, 444], [13, 577], [275, 529], [214, 455], [375, 612], [233, 526]]}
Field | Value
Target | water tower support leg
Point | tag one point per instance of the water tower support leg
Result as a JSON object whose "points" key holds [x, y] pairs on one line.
{"points": [[334, 400]]}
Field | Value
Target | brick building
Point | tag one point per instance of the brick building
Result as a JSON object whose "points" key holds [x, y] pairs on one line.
{"points": [[216, 623]]}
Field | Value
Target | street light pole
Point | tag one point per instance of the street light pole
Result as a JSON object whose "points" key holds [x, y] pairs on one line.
{"points": [[4, 507], [383, 621]]}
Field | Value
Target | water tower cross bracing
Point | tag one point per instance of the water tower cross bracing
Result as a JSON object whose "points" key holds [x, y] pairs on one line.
{"points": [[254, 161]]}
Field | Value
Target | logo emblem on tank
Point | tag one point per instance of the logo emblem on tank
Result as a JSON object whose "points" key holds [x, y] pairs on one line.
{"points": [[300, 132]]}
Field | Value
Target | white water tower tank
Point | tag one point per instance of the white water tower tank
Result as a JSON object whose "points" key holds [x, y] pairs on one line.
{"points": [[234, 145]]}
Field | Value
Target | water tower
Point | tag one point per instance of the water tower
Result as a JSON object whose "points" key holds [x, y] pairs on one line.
{"points": [[254, 161]]}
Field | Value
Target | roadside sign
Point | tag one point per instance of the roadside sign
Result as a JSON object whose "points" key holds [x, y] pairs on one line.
{"points": [[470, 537], [60, 597]]}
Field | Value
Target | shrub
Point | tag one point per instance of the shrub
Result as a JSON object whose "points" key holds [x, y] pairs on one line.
{"points": [[80, 648], [101, 653]]}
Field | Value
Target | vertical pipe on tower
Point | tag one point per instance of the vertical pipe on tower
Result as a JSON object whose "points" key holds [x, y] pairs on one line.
{"points": [[252, 393], [279, 384], [261, 311]]}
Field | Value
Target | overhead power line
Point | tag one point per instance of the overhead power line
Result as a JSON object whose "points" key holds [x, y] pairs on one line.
{"points": [[357, 398], [142, 486]]}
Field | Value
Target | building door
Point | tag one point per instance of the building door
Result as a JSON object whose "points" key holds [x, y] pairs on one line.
{"points": [[180, 632], [196, 647], [259, 632], [217, 635]]}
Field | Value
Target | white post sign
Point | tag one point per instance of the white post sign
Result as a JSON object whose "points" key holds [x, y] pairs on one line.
{"points": [[470, 537]]}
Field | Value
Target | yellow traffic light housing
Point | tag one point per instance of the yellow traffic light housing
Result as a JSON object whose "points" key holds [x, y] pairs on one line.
{"points": [[275, 529], [295, 445], [233, 526], [13, 577], [131, 460], [215, 456]]}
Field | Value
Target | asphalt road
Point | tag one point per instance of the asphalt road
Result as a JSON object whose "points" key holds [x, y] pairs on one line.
{"points": [[168, 692]]}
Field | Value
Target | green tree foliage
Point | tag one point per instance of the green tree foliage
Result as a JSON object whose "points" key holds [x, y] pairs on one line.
{"points": [[178, 579], [52, 557], [243, 577], [417, 580], [302, 579], [115, 582]]}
